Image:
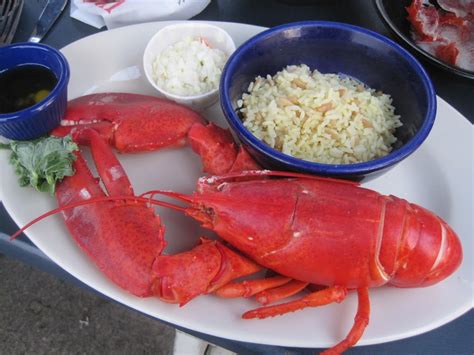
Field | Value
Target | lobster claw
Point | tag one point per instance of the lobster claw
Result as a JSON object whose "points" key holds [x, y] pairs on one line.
{"points": [[130, 122], [136, 123], [210, 265], [121, 237]]}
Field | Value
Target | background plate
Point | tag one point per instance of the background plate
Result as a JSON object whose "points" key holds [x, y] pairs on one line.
{"points": [[394, 14], [438, 176]]}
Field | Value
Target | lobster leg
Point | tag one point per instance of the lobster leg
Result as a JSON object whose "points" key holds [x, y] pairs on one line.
{"points": [[315, 299], [275, 294], [249, 288], [320, 298], [361, 321], [266, 290]]}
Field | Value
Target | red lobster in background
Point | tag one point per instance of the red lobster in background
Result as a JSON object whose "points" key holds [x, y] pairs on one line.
{"points": [[445, 31], [308, 230]]}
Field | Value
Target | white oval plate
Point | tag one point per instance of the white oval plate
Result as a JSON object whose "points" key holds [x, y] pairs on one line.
{"points": [[438, 176]]}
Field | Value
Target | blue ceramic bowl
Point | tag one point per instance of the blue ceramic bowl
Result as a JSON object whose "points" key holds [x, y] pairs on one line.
{"points": [[333, 48], [39, 119]]}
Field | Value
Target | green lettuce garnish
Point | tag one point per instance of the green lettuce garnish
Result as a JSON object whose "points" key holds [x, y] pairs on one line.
{"points": [[42, 162]]}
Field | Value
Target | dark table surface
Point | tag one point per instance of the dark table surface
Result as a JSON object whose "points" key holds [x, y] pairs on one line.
{"points": [[452, 338]]}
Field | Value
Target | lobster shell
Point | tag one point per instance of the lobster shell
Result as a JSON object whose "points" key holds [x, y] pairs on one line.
{"points": [[328, 232]]}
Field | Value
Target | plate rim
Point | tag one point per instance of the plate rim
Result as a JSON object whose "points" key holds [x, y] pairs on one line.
{"points": [[362, 342]]}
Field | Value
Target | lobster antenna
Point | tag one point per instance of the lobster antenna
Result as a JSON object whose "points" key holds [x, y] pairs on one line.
{"points": [[269, 173], [173, 194], [96, 200]]}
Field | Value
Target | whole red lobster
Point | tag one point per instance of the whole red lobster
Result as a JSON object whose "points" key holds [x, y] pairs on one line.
{"points": [[309, 230]]}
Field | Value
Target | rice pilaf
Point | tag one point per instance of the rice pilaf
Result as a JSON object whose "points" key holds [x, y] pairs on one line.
{"points": [[324, 118]]}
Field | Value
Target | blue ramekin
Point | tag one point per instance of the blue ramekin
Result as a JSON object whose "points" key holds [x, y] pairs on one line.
{"points": [[39, 119], [332, 47]]}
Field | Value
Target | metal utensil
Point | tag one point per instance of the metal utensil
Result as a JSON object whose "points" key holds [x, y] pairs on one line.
{"points": [[10, 13], [3, 5], [48, 16], [5, 14]]}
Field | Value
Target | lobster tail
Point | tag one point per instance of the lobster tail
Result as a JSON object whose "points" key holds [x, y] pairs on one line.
{"points": [[449, 259], [430, 250]]}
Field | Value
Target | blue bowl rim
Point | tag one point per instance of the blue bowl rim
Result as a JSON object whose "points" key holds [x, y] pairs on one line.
{"points": [[331, 169], [63, 80]]}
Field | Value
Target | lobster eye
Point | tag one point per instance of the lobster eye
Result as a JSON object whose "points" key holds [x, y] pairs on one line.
{"points": [[209, 211]]}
